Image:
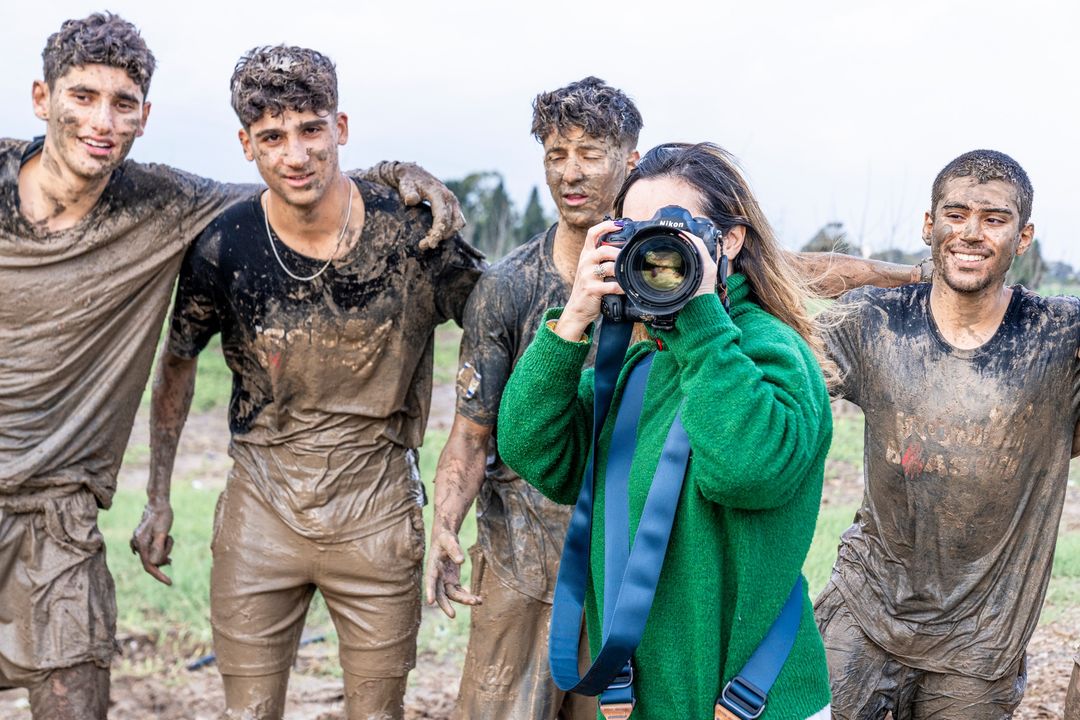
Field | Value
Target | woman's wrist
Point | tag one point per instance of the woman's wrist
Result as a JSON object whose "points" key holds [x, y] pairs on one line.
{"points": [[572, 326]]}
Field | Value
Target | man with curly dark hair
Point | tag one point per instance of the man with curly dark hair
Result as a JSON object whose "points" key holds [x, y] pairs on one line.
{"points": [[589, 131], [90, 246], [327, 309]]}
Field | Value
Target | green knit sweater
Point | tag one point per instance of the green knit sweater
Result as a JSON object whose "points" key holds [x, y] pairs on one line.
{"points": [[758, 418]]}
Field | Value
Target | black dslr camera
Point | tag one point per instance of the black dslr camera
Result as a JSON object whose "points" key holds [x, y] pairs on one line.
{"points": [[657, 268]]}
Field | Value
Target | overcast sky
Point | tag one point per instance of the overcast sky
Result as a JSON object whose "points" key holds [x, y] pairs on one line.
{"points": [[837, 110]]}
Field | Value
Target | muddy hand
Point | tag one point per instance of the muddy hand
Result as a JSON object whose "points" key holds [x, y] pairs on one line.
{"points": [[443, 577], [416, 184], [152, 542]]}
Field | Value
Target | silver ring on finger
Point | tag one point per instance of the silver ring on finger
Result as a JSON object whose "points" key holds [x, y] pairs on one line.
{"points": [[598, 271]]}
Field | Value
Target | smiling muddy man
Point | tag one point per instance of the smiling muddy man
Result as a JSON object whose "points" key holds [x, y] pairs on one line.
{"points": [[90, 246], [327, 308]]}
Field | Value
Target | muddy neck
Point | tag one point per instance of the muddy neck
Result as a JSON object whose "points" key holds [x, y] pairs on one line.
{"points": [[567, 249], [53, 198], [315, 230], [968, 320]]}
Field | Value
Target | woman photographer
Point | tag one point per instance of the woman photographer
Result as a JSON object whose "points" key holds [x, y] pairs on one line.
{"points": [[747, 386]]}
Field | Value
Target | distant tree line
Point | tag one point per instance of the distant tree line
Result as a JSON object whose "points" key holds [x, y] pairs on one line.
{"points": [[1029, 270], [494, 224]]}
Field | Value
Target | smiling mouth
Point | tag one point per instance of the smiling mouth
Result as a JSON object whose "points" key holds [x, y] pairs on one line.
{"points": [[299, 180], [98, 148], [967, 258]]}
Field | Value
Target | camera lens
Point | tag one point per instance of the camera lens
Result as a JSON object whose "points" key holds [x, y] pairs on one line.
{"points": [[660, 270]]}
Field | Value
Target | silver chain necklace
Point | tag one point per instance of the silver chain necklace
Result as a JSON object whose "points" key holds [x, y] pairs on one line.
{"points": [[341, 236]]}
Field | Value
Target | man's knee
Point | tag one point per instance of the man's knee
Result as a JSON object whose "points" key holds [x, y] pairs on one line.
{"points": [[369, 698], [80, 692], [255, 697]]}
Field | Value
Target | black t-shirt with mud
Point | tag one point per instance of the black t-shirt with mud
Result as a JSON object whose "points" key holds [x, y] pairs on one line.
{"points": [[520, 531], [967, 460], [331, 377]]}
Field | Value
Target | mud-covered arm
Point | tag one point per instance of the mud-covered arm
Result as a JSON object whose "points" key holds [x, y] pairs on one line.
{"points": [[754, 404], [832, 274], [545, 418], [416, 185], [195, 319], [458, 479], [173, 389]]}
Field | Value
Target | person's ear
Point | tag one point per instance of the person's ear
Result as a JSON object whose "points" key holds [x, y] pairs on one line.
{"points": [[733, 241], [245, 143], [39, 97], [1027, 235]]}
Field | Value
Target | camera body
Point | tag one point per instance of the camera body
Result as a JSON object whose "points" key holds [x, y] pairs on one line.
{"points": [[657, 268]]}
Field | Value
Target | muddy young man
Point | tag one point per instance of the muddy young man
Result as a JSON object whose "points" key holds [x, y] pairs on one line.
{"points": [[90, 245], [327, 308], [971, 391], [589, 131]]}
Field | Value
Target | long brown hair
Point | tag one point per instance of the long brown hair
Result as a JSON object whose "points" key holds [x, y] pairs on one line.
{"points": [[728, 201]]}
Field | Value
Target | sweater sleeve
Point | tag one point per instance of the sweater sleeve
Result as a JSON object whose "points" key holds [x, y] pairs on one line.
{"points": [[545, 417], [754, 403]]}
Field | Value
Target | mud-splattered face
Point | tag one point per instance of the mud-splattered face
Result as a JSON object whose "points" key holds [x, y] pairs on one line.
{"points": [[974, 233], [297, 153], [93, 115], [584, 174]]}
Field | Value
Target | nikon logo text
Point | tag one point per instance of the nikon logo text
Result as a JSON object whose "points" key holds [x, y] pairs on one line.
{"points": [[670, 223]]}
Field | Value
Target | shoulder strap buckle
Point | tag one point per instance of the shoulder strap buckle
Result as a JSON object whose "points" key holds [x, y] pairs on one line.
{"points": [[740, 700]]}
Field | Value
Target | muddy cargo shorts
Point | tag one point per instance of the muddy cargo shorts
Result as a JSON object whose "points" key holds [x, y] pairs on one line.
{"points": [[264, 575], [867, 682], [506, 672], [57, 600]]}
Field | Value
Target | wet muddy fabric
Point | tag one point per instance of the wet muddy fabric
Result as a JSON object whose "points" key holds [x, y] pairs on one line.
{"points": [[57, 606], [520, 531], [868, 682], [264, 575], [967, 459], [506, 673], [331, 378], [80, 314]]}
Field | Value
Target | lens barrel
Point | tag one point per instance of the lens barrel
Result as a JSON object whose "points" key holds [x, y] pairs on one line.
{"points": [[659, 270]]}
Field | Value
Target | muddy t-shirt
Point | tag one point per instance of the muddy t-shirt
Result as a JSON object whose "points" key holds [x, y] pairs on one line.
{"points": [[520, 531], [331, 377], [967, 461], [80, 313]]}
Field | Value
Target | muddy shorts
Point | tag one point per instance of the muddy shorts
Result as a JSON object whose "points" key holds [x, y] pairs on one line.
{"points": [[506, 672], [264, 575], [867, 682], [57, 600]]}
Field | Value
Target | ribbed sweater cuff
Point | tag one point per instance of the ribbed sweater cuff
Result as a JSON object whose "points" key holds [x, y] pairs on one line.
{"points": [[558, 358]]}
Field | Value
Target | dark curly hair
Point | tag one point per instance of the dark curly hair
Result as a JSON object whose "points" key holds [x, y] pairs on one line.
{"points": [[984, 166], [273, 79], [99, 39], [597, 108]]}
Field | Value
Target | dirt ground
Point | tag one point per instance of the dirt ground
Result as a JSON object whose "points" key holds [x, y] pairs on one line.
{"points": [[142, 690]]}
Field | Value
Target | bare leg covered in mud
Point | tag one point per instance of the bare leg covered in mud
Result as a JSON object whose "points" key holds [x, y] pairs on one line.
{"points": [[75, 693], [368, 698], [263, 697]]}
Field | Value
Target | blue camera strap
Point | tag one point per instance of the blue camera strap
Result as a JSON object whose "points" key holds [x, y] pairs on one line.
{"points": [[631, 574]]}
